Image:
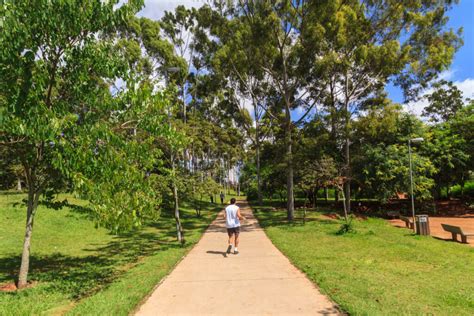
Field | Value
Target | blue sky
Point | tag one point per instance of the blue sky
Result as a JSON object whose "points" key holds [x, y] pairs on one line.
{"points": [[462, 15], [461, 71]]}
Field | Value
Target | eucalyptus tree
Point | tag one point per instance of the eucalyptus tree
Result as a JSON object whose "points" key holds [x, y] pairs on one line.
{"points": [[177, 27], [212, 110], [62, 117], [189, 41], [235, 61], [360, 46], [268, 32]]}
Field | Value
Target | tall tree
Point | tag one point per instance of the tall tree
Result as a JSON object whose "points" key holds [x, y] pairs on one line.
{"points": [[61, 116], [444, 102], [359, 46], [268, 32]]}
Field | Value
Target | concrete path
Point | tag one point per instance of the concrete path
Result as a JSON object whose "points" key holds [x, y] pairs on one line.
{"points": [[258, 281]]}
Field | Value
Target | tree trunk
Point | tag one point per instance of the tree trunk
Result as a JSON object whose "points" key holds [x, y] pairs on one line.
{"points": [[18, 184], [304, 208], [315, 198], [33, 198], [344, 200], [289, 179], [179, 228], [347, 181], [257, 157], [347, 184], [326, 194]]}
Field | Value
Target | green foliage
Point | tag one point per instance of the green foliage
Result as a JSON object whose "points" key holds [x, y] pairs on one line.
{"points": [[347, 227], [385, 171], [444, 102], [60, 117]]}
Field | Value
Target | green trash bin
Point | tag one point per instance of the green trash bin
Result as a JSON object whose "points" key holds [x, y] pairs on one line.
{"points": [[422, 225]]}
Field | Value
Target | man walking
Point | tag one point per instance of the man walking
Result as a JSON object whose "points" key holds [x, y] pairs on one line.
{"points": [[222, 196], [232, 222]]}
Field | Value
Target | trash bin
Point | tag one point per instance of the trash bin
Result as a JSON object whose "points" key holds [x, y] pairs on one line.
{"points": [[422, 225]]}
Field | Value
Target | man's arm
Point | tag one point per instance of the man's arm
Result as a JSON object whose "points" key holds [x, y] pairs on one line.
{"points": [[240, 215]]}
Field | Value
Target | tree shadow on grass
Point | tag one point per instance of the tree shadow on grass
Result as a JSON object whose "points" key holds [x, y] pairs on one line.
{"points": [[11, 192], [77, 276], [84, 211], [81, 276]]}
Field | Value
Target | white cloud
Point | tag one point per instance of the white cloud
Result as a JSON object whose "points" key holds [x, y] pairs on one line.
{"points": [[467, 87], [447, 74], [155, 9]]}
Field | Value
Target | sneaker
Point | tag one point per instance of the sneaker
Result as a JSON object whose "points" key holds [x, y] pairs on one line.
{"points": [[229, 249], [236, 252]]}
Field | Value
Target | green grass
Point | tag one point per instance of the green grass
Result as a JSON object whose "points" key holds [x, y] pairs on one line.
{"points": [[79, 269], [380, 269]]}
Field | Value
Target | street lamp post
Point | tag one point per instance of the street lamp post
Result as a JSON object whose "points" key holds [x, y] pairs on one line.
{"points": [[414, 141]]}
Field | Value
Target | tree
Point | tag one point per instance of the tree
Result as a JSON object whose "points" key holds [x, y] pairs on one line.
{"points": [[380, 156], [61, 116], [450, 143], [178, 27], [268, 32], [151, 56], [339, 53], [359, 46], [444, 102], [462, 124]]}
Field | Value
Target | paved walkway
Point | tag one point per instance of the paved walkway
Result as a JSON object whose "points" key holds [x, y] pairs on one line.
{"points": [[258, 281]]}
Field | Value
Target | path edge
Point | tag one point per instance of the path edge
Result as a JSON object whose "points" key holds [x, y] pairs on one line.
{"points": [[135, 310], [316, 286]]}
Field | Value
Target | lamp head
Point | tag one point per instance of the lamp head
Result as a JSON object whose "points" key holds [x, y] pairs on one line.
{"points": [[417, 140]]}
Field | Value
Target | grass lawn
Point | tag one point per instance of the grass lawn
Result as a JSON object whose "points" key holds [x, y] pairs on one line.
{"points": [[380, 269], [79, 269]]}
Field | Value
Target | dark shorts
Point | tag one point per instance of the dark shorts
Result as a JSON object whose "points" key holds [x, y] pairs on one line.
{"points": [[234, 230]]}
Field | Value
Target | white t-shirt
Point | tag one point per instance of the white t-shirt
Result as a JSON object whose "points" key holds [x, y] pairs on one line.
{"points": [[231, 219]]}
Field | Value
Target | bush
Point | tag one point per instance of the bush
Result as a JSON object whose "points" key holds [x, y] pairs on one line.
{"points": [[347, 227], [468, 190]]}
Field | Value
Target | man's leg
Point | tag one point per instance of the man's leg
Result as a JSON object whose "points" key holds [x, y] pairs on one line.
{"points": [[230, 241], [237, 239]]}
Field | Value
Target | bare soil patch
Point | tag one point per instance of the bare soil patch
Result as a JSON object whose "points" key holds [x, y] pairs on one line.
{"points": [[9, 287], [466, 222]]}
